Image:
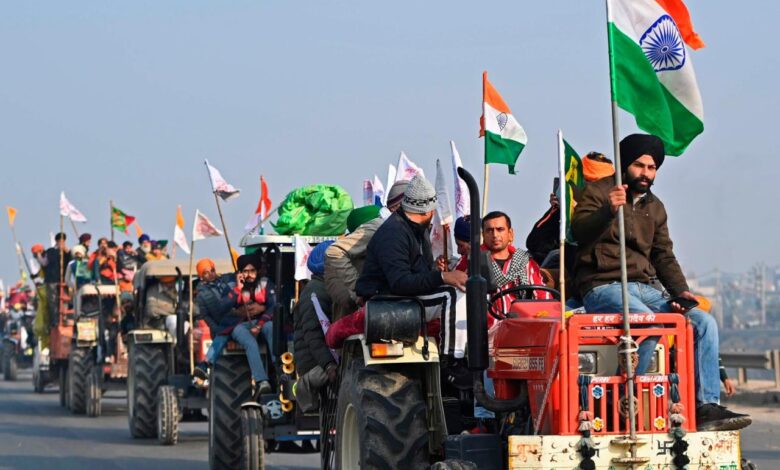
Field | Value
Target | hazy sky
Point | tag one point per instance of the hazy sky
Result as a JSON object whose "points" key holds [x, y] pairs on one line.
{"points": [[124, 100]]}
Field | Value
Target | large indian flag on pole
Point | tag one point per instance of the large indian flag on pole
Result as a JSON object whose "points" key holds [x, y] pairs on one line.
{"points": [[651, 70], [504, 137]]}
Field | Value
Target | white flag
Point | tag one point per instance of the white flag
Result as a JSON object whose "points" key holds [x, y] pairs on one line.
{"points": [[442, 198], [218, 184], [391, 172], [180, 239], [368, 192], [437, 236], [302, 251], [69, 210], [202, 228], [379, 192], [462, 198], [407, 169], [52, 241]]}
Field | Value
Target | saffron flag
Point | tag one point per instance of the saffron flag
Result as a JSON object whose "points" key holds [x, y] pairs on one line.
{"points": [[11, 215], [138, 230], [263, 208], [504, 137], [69, 210], [178, 232], [120, 220], [221, 187], [407, 169], [202, 228], [652, 76], [462, 198]]}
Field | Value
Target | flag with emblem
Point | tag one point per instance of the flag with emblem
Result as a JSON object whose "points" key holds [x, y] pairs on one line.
{"points": [[573, 177], [203, 228], [651, 70], [220, 186], [69, 210], [120, 220], [462, 198], [504, 137], [407, 169]]}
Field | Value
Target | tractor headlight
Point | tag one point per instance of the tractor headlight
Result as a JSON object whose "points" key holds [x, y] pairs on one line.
{"points": [[652, 368], [588, 362]]}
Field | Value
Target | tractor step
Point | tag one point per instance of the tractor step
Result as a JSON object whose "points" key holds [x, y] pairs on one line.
{"points": [[627, 441], [631, 460]]}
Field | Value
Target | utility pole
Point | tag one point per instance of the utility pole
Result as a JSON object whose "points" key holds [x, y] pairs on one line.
{"points": [[762, 291]]}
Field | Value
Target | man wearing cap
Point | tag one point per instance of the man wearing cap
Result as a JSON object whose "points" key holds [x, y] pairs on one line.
{"points": [[649, 254], [399, 261], [54, 261], [396, 195], [344, 259]]}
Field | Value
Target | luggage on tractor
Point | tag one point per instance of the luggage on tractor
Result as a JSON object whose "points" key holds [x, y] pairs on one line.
{"points": [[178, 399], [559, 397], [159, 391], [241, 431], [18, 341], [98, 356]]}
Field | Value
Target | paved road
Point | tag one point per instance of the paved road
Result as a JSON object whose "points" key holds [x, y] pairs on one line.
{"points": [[35, 432]]}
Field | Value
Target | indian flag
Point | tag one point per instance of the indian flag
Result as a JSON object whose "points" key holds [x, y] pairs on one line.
{"points": [[504, 137], [651, 70]]}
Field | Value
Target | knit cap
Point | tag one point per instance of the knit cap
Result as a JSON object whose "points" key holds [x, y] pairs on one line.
{"points": [[419, 197], [396, 193]]}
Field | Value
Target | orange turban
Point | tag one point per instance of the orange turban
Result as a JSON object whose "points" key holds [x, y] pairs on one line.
{"points": [[37, 248], [594, 170], [203, 266]]}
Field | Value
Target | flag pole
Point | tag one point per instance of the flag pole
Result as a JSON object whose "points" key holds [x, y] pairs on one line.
{"points": [[630, 379], [189, 308], [221, 218], [60, 284], [486, 184], [111, 217], [73, 226], [563, 212], [446, 247], [173, 252]]}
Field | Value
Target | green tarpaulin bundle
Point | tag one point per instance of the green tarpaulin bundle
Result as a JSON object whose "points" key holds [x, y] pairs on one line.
{"points": [[317, 210]]}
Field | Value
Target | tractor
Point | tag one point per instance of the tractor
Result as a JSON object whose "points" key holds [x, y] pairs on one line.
{"points": [[241, 431], [51, 364], [560, 392], [159, 364], [98, 356], [18, 341]]}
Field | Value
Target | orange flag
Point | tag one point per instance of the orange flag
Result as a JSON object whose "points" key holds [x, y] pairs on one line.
{"points": [[138, 231], [11, 215]]}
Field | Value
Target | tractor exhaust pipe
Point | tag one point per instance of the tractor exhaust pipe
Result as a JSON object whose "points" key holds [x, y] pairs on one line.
{"points": [[476, 307]]}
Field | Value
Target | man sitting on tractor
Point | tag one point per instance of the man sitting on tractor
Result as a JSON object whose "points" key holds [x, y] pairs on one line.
{"points": [[399, 261], [648, 254]]}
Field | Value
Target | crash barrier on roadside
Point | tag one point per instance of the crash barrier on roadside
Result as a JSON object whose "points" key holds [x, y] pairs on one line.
{"points": [[742, 360]]}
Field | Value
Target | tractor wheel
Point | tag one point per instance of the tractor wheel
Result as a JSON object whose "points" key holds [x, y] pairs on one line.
{"points": [[454, 465], [253, 448], [10, 368], [381, 420], [94, 394], [80, 364], [230, 387], [167, 416], [62, 372], [147, 370]]}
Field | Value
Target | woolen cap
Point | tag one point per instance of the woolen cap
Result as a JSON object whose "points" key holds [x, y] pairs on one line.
{"points": [[419, 197], [396, 193]]}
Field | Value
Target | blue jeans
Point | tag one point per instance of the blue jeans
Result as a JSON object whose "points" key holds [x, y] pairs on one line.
{"points": [[217, 346], [645, 299], [479, 411], [244, 337]]}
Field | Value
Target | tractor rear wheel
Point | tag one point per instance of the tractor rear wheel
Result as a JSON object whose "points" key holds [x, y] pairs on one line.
{"points": [[230, 385], [147, 370], [94, 394], [80, 363], [253, 445], [10, 369], [381, 419], [167, 416]]}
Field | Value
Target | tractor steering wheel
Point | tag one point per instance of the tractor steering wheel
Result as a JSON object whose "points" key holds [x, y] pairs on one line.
{"points": [[513, 290]]}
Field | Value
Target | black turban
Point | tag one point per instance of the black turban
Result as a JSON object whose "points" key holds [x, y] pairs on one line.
{"points": [[245, 260], [636, 145]]}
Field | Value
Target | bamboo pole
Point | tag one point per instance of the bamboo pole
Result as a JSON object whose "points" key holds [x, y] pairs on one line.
{"points": [[224, 231], [73, 226], [189, 310], [446, 247], [111, 217], [563, 212], [630, 379]]}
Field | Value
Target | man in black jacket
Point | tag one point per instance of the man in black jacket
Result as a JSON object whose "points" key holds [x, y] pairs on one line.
{"points": [[314, 361], [399, 261]]}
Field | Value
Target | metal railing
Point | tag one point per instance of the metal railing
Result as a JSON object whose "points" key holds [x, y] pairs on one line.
{"points": [[741, 360]]}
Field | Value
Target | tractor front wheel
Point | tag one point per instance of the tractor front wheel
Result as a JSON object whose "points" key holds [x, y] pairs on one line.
{"points": [[253, 445], [167, 416]]}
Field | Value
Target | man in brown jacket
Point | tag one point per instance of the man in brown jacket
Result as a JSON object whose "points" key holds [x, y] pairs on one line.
{"points": [[649, 254]]}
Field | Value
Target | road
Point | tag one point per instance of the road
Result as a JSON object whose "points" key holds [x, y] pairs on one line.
{"points": [[35, 432]]}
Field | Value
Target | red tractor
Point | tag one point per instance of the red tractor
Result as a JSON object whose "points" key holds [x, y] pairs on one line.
{"points": [[560, 400]]}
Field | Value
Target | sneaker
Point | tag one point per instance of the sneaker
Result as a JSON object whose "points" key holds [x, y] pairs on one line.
{"points": [[201, 371], [714, 417], [262, 387]]}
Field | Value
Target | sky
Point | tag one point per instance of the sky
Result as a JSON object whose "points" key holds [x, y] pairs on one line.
{"points": [[123, 101]]}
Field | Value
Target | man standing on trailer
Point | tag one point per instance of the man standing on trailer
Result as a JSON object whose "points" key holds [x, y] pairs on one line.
{"points": [[649, 254]]}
